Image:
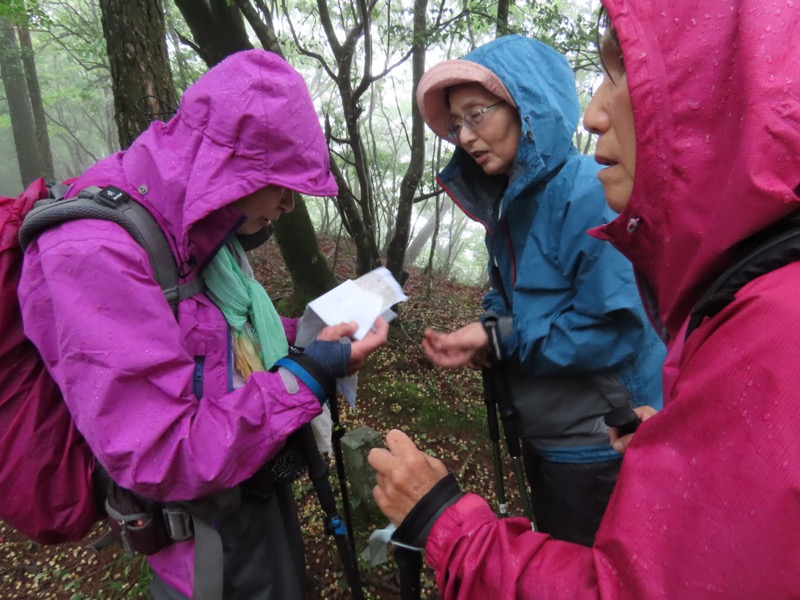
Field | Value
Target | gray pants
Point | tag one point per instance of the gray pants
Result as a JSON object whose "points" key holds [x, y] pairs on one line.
{"points": [[263, 552]]}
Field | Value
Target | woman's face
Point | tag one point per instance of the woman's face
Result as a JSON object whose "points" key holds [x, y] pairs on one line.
{"points": [[492, 143], [263, 207], [610, 116]]}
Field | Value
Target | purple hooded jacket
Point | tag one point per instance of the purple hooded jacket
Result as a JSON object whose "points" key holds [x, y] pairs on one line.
{"points": [[153, 396]]}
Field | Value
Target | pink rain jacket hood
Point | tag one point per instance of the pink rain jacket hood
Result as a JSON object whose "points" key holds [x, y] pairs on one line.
{"points": [[707, 504], [152, 396], [714, 89]]}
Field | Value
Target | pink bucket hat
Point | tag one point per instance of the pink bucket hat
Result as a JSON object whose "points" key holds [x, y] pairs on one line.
{"points": [[431, 92]]}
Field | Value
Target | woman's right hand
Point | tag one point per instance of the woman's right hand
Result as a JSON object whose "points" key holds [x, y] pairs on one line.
{"points": [[465, 346]]}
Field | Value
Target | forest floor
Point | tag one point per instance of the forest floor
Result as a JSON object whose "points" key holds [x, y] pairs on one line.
{"points": [[442, 411]]}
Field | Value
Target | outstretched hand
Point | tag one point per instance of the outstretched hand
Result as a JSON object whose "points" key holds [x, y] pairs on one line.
{"points": [[404, 474], [359, 349], [620, 444], [465, 346]]}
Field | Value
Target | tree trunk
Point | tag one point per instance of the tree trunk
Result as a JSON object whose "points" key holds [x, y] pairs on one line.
{"points": [[311, 274], [502, 18], [396, 252], [432, 253], [217, 28], [367, 257], [356, 209], [35, 93], [423, 235], [140, 71], [183, 77], [264, 31], [19, 106]]}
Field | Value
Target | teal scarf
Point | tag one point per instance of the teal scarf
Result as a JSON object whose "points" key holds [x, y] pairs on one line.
{"points": [[243, 300]]}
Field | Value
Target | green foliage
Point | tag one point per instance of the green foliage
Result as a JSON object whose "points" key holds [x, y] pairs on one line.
{"points": [[23, 12], [569, 31]]}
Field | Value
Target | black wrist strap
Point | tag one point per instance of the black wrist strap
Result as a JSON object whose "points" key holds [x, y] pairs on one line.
{"points": [[490, 326], [414, 529]]}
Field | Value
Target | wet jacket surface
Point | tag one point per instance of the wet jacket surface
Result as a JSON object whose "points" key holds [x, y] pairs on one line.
{"points": [[579, 340], [154, 396], [707, 504]]}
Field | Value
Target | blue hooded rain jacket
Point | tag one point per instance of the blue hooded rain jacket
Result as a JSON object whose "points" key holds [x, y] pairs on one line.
{"points": [[569, 312]]}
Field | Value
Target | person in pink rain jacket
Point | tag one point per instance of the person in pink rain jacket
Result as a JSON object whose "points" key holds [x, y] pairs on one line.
{"points": [[698, 124], [183, 409]]}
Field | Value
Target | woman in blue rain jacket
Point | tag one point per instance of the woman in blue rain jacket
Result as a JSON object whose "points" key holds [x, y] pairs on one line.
{"points": [[563, 323]]}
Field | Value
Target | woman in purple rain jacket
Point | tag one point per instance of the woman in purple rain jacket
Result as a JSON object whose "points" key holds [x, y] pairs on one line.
{"points": [[159, 400]]}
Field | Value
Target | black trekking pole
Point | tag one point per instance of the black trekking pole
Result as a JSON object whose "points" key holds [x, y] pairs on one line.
{"points": [[318, 472], [494, 436], [337, 432], [502, 393], [409, 566]]}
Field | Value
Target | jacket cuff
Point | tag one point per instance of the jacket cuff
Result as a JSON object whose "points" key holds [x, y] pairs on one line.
{"points": [[308, 371], [331, 357], [414, 529]]}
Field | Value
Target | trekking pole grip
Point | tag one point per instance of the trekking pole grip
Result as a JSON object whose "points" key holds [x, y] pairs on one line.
{"points": [[624, 419]]}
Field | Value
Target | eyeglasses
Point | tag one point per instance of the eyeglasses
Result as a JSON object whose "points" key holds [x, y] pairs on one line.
{"points": [[470, 121]]}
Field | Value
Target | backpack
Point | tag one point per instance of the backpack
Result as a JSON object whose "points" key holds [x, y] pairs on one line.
{"points": [[772, 248], [62, 465], [47, 471]]}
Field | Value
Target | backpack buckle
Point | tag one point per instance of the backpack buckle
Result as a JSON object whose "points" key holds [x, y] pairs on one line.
{"points": [[178, 523], [112, 196]]}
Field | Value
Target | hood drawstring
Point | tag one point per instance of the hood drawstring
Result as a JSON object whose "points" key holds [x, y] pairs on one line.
{"points": [[633, 224]]}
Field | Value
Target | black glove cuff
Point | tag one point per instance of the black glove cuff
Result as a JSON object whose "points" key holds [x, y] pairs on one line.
{"points": [[414, 529], [332, 357]]}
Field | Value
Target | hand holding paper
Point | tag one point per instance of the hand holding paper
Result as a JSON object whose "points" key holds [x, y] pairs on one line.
{"points": [[363, 302]]}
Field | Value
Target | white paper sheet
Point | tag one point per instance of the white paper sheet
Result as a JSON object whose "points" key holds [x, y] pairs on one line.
{"points": [[364, 300]]}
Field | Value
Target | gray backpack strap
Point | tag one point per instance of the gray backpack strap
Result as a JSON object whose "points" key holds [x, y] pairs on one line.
{"points": [[112, 204], [58, 190], [197, 519]]}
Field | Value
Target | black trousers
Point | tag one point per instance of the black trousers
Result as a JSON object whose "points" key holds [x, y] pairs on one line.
{"points": [[569, 499]]}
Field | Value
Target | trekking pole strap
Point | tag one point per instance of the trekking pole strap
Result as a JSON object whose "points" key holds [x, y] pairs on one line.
{"points": [[413, 531], [409, 564], [336, 440]]}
